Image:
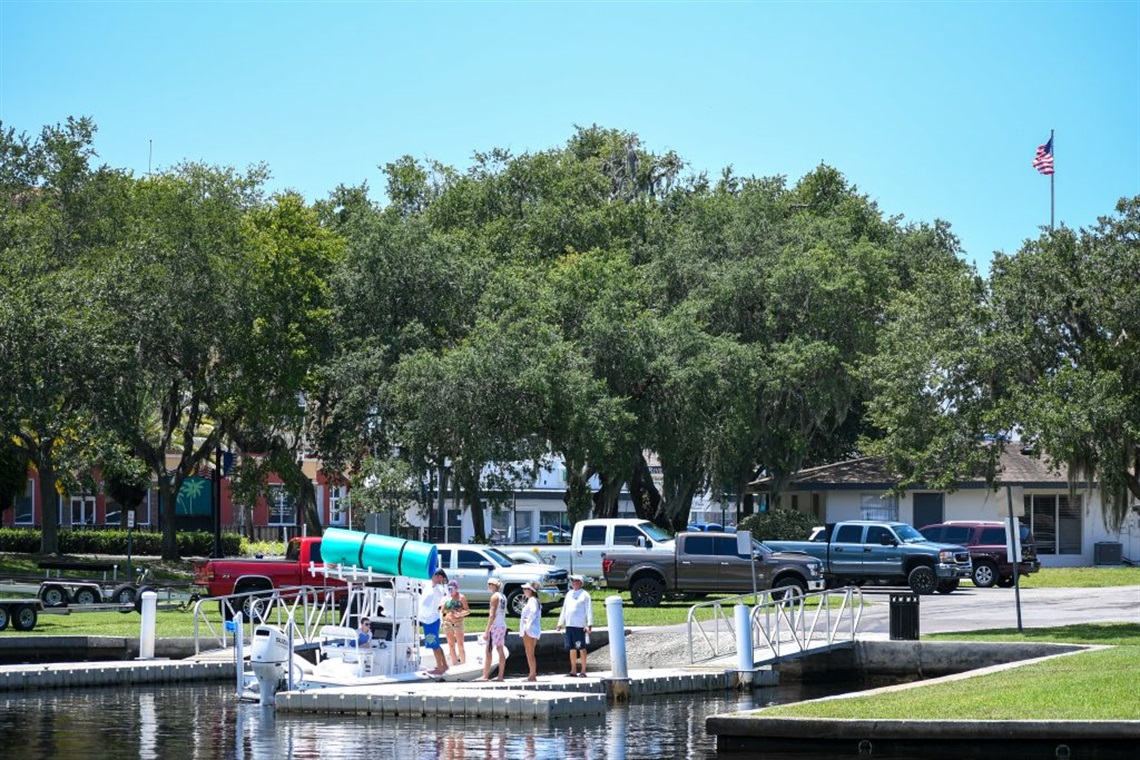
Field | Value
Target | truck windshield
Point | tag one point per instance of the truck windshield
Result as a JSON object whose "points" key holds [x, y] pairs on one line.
{"points": [[498, 557], [909, 535], [654, 532]]}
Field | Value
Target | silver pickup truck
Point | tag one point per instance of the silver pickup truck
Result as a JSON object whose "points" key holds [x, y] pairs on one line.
{"points": [[472, 565]]}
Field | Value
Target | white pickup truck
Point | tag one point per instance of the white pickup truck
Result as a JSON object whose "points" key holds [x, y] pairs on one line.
{"points": [[590, 540]]}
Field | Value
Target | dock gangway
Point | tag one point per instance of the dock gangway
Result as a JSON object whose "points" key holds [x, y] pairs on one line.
{"points": [[784, 626]]}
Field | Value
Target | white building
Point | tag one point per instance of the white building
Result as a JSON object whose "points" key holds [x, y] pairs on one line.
{"points": [[1069, 527]]}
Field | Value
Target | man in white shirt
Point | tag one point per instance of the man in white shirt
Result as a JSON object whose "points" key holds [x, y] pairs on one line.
{"points": [[430, 602], [577, 617]]}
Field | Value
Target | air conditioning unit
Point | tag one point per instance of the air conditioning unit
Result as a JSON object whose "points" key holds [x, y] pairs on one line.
{"points": [[1108, 553]]}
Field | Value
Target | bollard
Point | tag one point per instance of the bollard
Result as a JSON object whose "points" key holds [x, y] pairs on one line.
{"points": [[616, 623], [149, 611], [239, 655], [745, 663]]}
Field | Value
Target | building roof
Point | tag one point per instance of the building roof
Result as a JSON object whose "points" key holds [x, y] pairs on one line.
{"points": [[1019, 467]]}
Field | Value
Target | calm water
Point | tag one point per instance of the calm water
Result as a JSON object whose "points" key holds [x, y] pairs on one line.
{"points": [[204, 721]]}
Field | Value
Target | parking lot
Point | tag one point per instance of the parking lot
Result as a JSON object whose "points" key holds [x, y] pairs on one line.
{"points": [[970, 608]]}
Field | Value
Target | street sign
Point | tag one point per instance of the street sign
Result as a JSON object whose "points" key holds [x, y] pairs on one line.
{"points": [[130, 518]]}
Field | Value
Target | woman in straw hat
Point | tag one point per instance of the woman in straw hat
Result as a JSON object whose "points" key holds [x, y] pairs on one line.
{"points": [[496, 633], [530, 626]]}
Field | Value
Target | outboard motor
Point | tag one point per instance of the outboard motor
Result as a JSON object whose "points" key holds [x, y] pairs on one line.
{"points": [[269, 658]]}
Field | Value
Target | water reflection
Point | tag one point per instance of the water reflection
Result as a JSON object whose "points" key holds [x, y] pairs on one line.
{"points": [[205, 722]]}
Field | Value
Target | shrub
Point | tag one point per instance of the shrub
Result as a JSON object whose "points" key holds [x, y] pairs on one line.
{"points": [[779, 525], [197, 543]]}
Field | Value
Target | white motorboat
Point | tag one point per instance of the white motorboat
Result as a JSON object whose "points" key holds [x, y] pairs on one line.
{"points": [[393, 654]]}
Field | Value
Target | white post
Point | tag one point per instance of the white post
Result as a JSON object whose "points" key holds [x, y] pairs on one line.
{"points": [[615, 620], [744, 662], [239, 655], [149, 611], [289, 630]]}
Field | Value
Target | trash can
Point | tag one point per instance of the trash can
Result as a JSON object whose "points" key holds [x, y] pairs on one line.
{"points": [[904, 617]]}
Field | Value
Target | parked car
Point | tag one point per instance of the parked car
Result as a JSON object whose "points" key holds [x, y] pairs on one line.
{"points": [[704, 562], [706, 527], [889, 553], [544, 533], [471, 565], [986, 541], [581, 552]]}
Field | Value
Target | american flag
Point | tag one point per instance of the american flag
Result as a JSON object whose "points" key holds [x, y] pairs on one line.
{"points": [[1043, 161]]}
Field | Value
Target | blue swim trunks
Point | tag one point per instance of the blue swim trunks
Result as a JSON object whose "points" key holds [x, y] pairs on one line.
{"points": [[431, 635], [574, 639]]}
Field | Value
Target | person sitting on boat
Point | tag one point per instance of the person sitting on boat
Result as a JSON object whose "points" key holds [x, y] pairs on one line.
{"points": [[364, 635], [431, 600], [454, 610]]}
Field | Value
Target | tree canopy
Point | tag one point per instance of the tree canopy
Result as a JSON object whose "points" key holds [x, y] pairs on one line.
{"points": [[591, 302]]}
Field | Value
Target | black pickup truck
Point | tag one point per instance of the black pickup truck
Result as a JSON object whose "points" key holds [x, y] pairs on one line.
{"points": [[708, 563]]}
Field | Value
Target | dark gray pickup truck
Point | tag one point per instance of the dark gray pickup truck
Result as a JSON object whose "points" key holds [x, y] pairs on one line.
{"points": [[867, 551], [708, 563]]}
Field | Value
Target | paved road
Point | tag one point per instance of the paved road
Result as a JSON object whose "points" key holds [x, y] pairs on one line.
{"points": [[970, 608]]}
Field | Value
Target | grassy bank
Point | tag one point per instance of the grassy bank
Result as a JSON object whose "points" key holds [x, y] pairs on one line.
{"points": [[1082, 577], [1092, 685]]}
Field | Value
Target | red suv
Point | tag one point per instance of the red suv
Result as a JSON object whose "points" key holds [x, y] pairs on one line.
{"points": [[986, 542]]}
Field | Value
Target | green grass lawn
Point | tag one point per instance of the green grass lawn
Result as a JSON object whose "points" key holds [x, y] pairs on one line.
{"points": [[1082, 577], [1092, 685]]}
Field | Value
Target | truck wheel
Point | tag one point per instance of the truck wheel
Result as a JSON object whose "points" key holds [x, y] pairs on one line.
{"points": [[788, 587], [516, 600], [24, 618], [3, 617], [138, 597], [922, 580], [125, 595], [985, 574], [948, 587], [647, 592], [87, 595], [54, 596]]}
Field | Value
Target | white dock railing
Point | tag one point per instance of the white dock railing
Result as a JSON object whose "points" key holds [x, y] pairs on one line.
{"points": [[783, 627], [308, 607]]}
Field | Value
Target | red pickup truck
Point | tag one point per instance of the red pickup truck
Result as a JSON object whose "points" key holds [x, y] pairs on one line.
{"points": [[221, 577]]}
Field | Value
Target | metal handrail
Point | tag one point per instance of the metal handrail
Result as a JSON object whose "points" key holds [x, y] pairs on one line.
{"points": [[777, 623], [695, 625], [787, 623], [311, 605]]}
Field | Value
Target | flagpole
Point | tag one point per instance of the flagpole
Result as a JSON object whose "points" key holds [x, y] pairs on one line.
{"points": [[1052, 179]]}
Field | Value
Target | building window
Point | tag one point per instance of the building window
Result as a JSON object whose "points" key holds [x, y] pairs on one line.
{"points": [[875, 506], [25, 505], [282, 506], [144, 513], [81, 511], [1055, 520], [524, 527], [338, 505]]}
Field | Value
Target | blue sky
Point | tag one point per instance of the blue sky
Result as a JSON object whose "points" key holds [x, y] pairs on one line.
{"points": [[932, 109]]}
